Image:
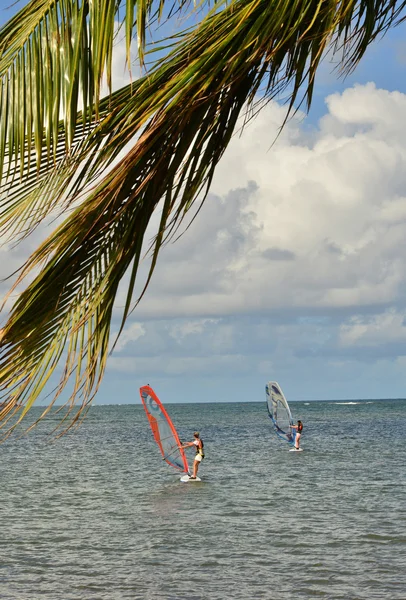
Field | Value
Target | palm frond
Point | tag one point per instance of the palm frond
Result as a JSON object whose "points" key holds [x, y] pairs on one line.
{"points": [[183, 115], [54, 55]]}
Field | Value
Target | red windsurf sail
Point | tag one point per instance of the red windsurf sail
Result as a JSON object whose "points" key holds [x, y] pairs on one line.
{"points": [[163, 429]]}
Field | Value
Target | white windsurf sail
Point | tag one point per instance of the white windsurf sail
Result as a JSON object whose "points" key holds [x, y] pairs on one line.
{"points": [[279, 412], [164, 430]]}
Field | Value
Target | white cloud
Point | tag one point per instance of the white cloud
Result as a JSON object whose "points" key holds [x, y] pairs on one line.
{"points": [[389, 327], [317, 221], [131, 334], [295, 263], [180, 365], [180, 330], [121, 73]]}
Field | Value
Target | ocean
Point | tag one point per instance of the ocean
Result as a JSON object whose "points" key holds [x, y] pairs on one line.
{"points": [[98, 514]]}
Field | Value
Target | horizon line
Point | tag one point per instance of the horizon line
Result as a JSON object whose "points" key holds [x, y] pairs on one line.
{"points": [[240, 402]]}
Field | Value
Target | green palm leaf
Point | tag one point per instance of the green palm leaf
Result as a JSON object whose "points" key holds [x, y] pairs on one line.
{"points": [[176, 121]]}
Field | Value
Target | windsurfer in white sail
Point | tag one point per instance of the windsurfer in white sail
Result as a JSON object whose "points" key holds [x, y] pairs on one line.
{"points": [[198, 444], [299, 428]]}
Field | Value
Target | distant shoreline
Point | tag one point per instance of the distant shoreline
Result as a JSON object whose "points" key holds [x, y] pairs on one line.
{"points": [[342, 400]]}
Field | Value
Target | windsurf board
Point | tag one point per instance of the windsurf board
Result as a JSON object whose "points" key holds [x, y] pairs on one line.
{"points": [[186, 478]]}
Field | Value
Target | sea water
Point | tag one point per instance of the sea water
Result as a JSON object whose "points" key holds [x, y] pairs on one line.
{"points": [[99, 515]]}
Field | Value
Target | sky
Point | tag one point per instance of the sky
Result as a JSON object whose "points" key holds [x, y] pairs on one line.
{"points": [[294, 269]]}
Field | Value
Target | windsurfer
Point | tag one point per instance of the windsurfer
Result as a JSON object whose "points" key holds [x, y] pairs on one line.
{"points": [[299, 428], [198, 444]]}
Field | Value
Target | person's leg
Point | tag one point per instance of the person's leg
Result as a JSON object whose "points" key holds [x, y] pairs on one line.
{"points": [[297, 441], [196, 466]]}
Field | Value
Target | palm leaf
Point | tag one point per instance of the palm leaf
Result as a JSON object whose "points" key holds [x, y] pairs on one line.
{"points": [[180, 119], [54, 55]]}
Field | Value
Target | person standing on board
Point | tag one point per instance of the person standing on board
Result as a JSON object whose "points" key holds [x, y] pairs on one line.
{"points": [[299, 428], [198, 444]]}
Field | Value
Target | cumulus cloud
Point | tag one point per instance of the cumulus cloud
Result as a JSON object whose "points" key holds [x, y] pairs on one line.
{"points": [[130, 334], [314, 221], [278, 254], [295, 263], [297, 256], [374, 331], [179, 330], [122, 73]]}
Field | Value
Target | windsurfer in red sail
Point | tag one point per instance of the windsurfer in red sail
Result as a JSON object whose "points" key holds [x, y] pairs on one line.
{"points": [[199, 446]]}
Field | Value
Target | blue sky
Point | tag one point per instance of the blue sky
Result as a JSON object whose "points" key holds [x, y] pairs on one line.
{"points": [[294, 270]]}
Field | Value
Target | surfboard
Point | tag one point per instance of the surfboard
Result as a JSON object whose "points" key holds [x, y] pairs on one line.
{"points": [[296, 450], [186, 479]]}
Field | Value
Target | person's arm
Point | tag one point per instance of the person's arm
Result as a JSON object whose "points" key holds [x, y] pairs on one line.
{"points": [[186, 445]]}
